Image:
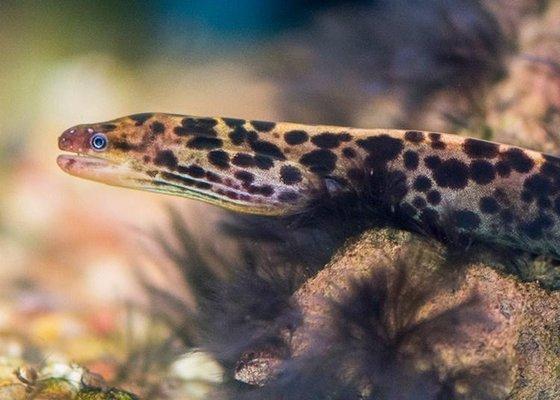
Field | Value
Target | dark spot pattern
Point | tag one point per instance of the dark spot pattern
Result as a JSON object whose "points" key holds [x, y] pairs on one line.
{"points": [[489, 205], [288, 196], [219, 158], [228, 193], [213, 177], [414, 136], [290, 175], [349, 152], [238, 135], [419, 202], [180, 131], [537, 185], [451, 174], [193, 170], [381, 149], [432, 162], [243, 160], [518, 160], [503, 169], [296, 137], [139, 119], [263, 162], [166, 158], [263, 126], [465, 219], [264, 190], [199, 126], [485, 164], [550, 169], [389, 186], [436, 142], [422, 183], [123, 145], [433, 197], [482, 172], [158, 128], [475, 148], [267, 149], [411, 160], [147, 139], [233, 122], [329, 140], [204, 143], [319, 161], [251, 136], [108, 127], [245, 176], [501, 195]]}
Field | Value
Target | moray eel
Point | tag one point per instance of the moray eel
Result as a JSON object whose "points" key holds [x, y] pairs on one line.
{"points": [[490, 192]]}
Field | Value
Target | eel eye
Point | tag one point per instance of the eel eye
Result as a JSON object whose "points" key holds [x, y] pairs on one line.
{"points": [[99, 142]]}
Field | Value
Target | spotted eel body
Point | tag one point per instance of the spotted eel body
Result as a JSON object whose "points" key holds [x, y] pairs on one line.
{"points": [[490, 192]]}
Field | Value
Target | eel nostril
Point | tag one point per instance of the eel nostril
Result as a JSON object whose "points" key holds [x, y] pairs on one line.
{"points": [[66, 137], [63, 140]]}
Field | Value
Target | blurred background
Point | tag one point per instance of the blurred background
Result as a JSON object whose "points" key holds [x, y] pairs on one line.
{"points": [[71, 250]]}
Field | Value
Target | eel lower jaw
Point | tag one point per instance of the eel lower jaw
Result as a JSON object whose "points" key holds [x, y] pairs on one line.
{"points": [[124, 175], [97, 169]]}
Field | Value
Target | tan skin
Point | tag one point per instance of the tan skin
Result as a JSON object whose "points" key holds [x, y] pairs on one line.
{"points": [[491, 192]]}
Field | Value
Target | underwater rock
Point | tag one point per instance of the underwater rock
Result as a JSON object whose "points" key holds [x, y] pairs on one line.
{"points": [[447, 327]]}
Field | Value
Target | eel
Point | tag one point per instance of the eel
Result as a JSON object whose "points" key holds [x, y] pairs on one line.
{"points": [[485, 191]]}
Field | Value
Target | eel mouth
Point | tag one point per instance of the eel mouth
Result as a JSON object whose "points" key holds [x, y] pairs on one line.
{"points": [[124, 175], [71, 163], [97, 169]]}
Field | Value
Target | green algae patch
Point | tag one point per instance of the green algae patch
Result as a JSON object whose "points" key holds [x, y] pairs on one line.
{"points": [[56, 382]]}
